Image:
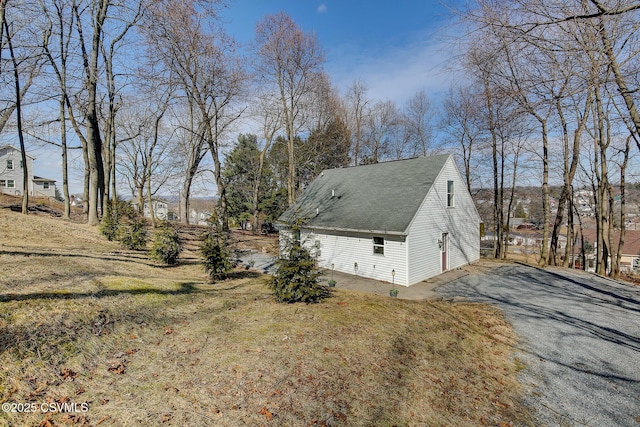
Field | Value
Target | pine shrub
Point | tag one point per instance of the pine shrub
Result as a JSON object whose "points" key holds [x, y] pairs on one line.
{"points": [[133, 235], [218, 257], [117, 212], [166, 245], [109, 223], [296, 278]]}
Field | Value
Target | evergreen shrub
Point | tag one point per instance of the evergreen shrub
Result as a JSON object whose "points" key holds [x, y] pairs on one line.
{"points": [[133, 234], [296, 278], [218, 256], [166, 246]]}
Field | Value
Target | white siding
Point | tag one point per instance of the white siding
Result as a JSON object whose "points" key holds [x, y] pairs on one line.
{"points": [[39, 190], [160, 209], [15, 174], [343, 251], [417, 256], [434, 218]]}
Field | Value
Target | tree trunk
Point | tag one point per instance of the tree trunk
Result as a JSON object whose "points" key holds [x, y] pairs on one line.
{"points": [[223, 216], [94, 141], [140, 197], [184, 200], [615, 271], [545, 195], [255, 228], [568, 249], [627, 94], [497, 199], [568, 175], [152, 214], [65, 173], [23, 152], [291, 177]]}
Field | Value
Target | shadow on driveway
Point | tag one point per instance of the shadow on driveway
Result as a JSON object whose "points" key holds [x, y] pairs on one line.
{"points": [[580, 340]]}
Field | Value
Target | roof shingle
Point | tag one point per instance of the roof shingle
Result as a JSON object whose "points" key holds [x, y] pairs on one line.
{"points": [[382, 197]]}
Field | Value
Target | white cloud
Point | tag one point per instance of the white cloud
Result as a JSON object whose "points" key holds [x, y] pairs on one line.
{"points": [[322, 8], [396, 71]]}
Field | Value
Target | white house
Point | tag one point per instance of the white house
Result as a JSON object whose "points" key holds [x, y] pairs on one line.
{"points": [[403, 221], [12, 175], [160, 209], [199, 216]]}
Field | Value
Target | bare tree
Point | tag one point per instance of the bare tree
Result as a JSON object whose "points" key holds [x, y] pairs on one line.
{"points": [[25, 59], [91, 22], [190, 149], [288, 59], [381, 131], [18, 108], [144, 153], [60, 23], [109, 147], [211, 75], [615, 267], [463, 122], [417, 114], [28, 74], [539, 47], [357, 109], [616, 27], [270, 115]]}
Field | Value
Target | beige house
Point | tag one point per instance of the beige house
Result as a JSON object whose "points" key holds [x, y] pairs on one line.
{"points": [[630, 259], [12, 175]]}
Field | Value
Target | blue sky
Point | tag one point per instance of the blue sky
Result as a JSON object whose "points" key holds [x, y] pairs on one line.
{"points": [[396, 48]]}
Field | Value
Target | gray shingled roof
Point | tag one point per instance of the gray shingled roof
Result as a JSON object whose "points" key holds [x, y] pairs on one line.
{"points": [[41, 179], [383, 197]]}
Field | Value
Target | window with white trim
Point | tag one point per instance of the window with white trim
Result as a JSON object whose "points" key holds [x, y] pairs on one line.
{"points": [[45, 185], [450, 194], [3, 183], [10, 165], [378, 245], [11, 183]]}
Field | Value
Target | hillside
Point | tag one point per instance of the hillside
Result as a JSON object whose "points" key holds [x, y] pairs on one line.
{"points": [[131, 342]]}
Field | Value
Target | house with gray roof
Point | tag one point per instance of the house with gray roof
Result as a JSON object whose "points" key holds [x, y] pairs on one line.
{"points": [[402, 221]]}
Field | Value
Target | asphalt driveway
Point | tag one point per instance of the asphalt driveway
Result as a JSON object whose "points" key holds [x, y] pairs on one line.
{"points": [[580, 340]]}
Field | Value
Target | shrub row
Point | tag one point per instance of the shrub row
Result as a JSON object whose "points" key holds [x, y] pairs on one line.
{"points": [[296, 278]]}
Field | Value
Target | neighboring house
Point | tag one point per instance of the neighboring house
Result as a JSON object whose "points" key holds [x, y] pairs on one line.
{"points": [[200, 217], [12, 175], [402, 221], [630, 258], [160, 209], [43, 187], [76, 201], [582, 200]]}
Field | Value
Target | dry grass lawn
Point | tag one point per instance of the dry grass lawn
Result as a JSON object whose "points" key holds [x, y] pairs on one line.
{"points": [[83, 321]]}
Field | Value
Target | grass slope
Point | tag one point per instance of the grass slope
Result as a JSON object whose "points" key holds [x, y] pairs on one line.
{"points": [[82, 321]]}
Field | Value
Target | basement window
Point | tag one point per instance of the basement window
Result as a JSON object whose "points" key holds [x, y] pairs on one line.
{"points": [[378, 245]]}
